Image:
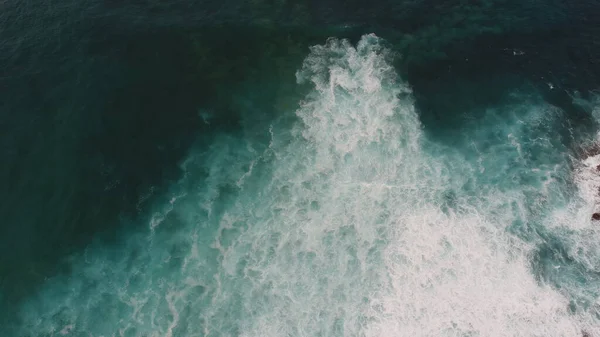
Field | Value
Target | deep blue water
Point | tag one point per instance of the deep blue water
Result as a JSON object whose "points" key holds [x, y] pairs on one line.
{"points": [[316, 168]]}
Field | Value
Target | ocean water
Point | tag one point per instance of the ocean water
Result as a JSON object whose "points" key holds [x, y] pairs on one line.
{"points": [[347, 221], [261, 177]]}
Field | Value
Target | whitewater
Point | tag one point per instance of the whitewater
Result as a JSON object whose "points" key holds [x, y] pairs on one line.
{"points": [[345, 219]]}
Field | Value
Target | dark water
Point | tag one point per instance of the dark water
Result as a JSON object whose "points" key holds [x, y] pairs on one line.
{"points": [[101, 101]]}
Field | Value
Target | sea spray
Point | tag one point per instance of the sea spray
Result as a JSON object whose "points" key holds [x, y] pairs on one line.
{"points": [[348, 222]]}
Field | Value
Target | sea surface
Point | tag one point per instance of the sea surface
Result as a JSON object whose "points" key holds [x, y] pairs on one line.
{"points": [[299, 168]]}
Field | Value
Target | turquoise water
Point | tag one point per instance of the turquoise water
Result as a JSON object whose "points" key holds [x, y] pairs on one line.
{"points": [[342, 215]]}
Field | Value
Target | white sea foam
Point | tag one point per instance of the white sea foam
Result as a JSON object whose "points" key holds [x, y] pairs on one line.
{"points": [[341, 227]]}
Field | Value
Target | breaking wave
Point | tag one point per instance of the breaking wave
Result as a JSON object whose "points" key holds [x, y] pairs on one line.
{"points": [[348, 221]]}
